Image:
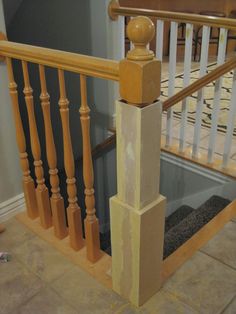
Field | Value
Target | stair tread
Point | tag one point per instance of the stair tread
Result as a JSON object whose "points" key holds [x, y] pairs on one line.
{"points": [[176, 217], [183, 231]]}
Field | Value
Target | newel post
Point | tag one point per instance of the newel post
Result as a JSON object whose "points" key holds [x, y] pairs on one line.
{"points": [[138, 210]]}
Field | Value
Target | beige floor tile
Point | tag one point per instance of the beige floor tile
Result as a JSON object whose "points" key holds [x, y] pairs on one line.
{"points": [[234, 219], [42, 259], [223, 245], [46, 301], [86, 294], [162, 302], [203, 283], [231, 308], [17, 285], [14, 235]]}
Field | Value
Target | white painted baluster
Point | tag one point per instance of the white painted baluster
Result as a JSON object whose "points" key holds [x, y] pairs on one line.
{"points": [[217, 94], [187, 72], [230, 125], [159, 39], [200, 95], [172, 73]]}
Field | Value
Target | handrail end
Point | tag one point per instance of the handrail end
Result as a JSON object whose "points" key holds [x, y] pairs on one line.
{"points": [[114, 4], [2, 37]]}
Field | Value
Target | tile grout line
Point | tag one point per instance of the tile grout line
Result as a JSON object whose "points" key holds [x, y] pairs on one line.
{"points": [[218, 260]]}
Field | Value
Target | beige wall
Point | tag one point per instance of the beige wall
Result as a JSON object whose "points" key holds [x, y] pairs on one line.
{"points": [[10, 181]]}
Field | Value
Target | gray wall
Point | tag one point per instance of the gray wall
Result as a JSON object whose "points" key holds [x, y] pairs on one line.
{"points": [[10, 177]]}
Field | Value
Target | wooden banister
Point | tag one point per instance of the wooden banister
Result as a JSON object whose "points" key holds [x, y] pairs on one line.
{"points": [[28, 183], [73, 210], [41, 190], [200, 83], [57, 202], [115, 10], [91, 221], [87, 65]]}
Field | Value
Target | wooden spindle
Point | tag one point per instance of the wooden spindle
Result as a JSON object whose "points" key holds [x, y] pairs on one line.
{"points": [[41, 190], [91, 221], [57, 202], [73, 210], [28, 182]]}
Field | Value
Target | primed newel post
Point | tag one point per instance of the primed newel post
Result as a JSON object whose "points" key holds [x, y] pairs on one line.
{"points": [[138, 210]]}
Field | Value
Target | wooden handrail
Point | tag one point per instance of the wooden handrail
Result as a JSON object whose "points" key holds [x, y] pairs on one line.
{"points": [[200, 83], [87, 65], [115, 10]]}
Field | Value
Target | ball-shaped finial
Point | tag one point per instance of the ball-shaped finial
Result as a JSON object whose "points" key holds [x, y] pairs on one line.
{"points": [[140, 31]]}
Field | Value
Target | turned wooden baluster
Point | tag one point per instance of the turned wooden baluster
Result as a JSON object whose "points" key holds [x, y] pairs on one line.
{"points": [[91, 221], [57, 202], [28, 182], [41, 190], [73, 210]]}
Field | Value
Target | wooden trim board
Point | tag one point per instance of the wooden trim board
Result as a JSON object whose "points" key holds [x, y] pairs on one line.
{"points": [[101, 270], [199, 239]]}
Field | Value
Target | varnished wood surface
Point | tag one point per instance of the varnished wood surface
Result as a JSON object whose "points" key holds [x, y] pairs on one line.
{"points": [[91, 66], [91, 222], [57, 202], [41, 189], [28, 183], [167, 10], [73, 210]]}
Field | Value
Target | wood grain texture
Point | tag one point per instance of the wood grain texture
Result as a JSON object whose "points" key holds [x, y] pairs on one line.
{"points": [[73, 210], [41, 190], [91, 66], [57, 202], [28, 183], [91, 221]]}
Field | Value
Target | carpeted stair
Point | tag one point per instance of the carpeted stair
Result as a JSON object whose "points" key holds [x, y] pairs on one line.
{"points": [[182, 224]]}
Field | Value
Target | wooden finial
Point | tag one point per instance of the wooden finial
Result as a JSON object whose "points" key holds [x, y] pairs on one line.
{"points": [[140, 31]]}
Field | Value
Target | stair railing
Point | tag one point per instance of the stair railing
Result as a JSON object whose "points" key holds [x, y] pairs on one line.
{"points": [[52, 210], [180, 144], [138, 210]]}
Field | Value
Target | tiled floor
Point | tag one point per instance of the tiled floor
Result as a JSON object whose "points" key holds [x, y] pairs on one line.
{"points": [[39, 280]]}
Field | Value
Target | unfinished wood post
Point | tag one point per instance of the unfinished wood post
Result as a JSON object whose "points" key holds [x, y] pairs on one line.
{"points": [[57, 202], [138, 210], [73, 210], [41, 190], [28, 182], [91, 221]]}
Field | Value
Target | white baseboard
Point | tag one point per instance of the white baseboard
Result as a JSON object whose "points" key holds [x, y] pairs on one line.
{"points": [[11, 207]]}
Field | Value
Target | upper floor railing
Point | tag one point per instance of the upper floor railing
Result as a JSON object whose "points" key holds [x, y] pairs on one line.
{"points": [[198, 35]]}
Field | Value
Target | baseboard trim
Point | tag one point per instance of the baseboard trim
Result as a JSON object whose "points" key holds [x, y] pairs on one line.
{"points": [[11, 207]]}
